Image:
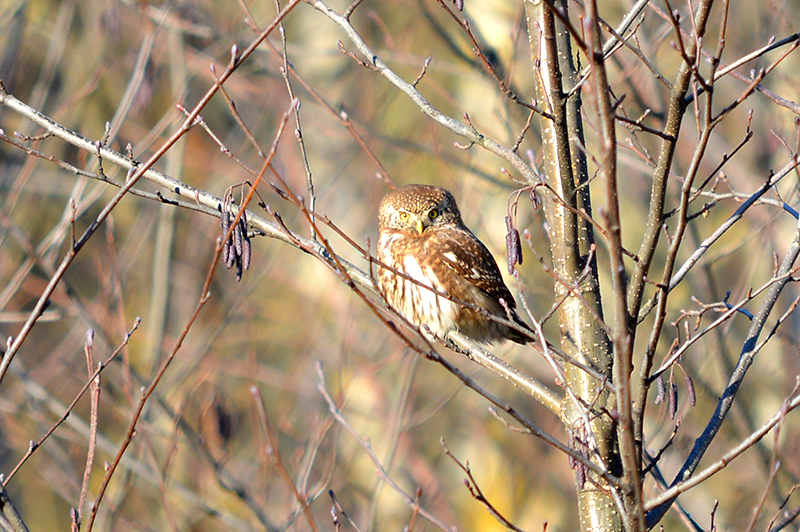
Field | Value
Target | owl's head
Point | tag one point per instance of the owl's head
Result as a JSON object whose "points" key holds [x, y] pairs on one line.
{"points": [[416, 208]]}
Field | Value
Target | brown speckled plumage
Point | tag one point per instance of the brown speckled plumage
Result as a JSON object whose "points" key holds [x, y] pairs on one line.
{"points": [[422, 235]]}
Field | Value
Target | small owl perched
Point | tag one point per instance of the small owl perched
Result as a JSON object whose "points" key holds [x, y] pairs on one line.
{"points": [[422, 235]]}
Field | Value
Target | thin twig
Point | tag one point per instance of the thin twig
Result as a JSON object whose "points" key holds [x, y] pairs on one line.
{"points": [[56, 129], [35, 445], [274, 452], [681, 487], [364, 442], [474, 489]]}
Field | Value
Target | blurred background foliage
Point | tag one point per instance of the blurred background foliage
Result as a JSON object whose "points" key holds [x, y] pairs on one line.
{"points": [[76, 61]]}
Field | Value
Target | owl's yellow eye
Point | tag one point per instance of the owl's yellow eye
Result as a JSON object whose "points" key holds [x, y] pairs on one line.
{"points": [[404, 216], [433, 214]]}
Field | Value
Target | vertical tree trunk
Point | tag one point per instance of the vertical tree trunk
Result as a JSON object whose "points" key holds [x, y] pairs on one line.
{"points": [[574, 262]]}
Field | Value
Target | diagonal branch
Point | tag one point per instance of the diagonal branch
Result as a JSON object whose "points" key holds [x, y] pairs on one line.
{"points": [[135, 173], [316, 247], [425, 106], [749, 350]]}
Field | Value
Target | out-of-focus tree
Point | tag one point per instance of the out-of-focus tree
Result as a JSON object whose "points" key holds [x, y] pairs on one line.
{"points": [[641, 156]]}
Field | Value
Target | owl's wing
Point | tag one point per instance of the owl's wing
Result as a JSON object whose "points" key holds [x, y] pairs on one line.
{"points": [[463, 253]]}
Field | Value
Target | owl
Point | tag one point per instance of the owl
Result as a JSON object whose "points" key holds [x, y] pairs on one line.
{"points": [[422, 236]]}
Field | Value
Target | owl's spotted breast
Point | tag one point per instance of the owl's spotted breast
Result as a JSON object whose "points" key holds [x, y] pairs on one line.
{"points": [[422, 236], [417, 304]]}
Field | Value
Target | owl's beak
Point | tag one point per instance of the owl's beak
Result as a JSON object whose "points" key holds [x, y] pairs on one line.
{"points": [[419, 226]]}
